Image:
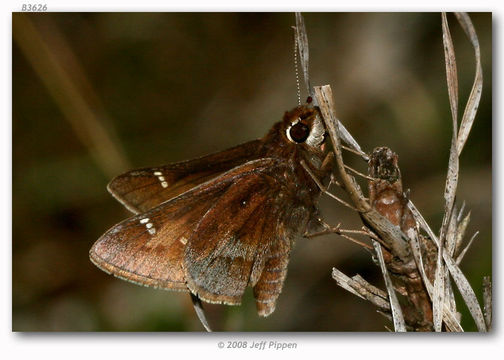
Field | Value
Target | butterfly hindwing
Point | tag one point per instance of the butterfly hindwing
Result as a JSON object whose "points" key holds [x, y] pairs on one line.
{"points": [[251, 247], [221, 253]]}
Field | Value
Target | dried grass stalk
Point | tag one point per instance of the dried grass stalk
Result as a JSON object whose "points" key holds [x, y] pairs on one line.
{"points": [[397, 314], [403, 245]]}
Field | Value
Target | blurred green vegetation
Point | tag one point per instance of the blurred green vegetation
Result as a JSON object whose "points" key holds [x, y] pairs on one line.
{"points": [[171, 86]]}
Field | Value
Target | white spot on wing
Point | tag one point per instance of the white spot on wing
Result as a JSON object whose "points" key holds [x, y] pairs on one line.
{"points": [[161, 178], [150, 226]]}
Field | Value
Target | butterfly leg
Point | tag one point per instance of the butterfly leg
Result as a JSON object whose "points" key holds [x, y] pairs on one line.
{"points": [[327, 229], [327, 163], [323, 188]]}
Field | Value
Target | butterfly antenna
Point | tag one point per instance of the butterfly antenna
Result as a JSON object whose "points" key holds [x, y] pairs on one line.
{"points": [[198, 307], [296, 69]]}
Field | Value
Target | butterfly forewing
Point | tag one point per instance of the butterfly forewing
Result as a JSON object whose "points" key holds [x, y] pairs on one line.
{"points": [[142, 189], [148, 248]]}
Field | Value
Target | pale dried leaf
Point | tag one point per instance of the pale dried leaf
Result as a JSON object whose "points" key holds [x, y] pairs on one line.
{"points": [[451, 70], [304, 55], [371, 288], [450, 190], [453, 163], [461, 212], [449, 316], [450, 249], [466, 291], [439, 292], [452, 320], [343, 281], [397, 316], [451, 235], [450, 241], [463, 252], [417, 256], [350, 141], [461, 229], [475, 95], [487, 301], [361, 288], [421, 221], [377, 296], [459, 278], [449, 295]]}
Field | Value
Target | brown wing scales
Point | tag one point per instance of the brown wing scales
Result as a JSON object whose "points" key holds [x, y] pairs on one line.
{"points": [[189, 242], [143, 189], [148, 248], [221, 253]]}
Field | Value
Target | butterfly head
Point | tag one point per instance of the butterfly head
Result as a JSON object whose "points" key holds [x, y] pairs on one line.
{"points": [[304, 126]]}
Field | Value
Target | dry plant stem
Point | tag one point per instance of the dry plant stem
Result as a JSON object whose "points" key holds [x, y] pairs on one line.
{"points": [[451, 178], [349, 184], [359, 287], [458, 141], [371, 288], [405, 256], [449, 317], [397, 315], [460, 280], [387, 197], [391, 235]]}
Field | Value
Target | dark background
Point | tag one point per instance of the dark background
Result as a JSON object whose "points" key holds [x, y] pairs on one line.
{"points": [[95, 94]]}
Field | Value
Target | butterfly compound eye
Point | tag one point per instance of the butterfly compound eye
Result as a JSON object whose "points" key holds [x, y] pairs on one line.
{"points": [[299, 132]]}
